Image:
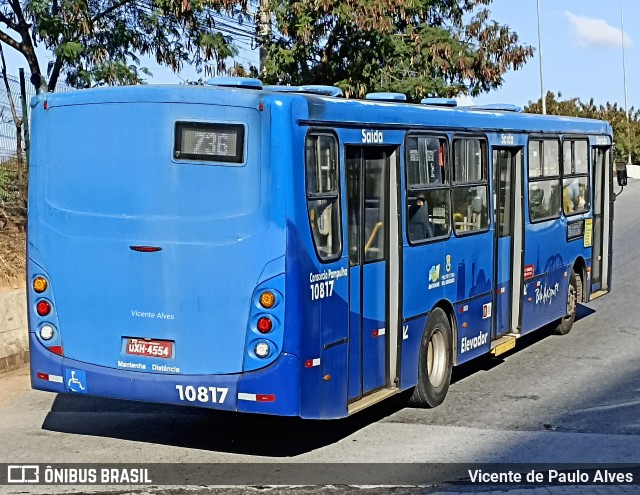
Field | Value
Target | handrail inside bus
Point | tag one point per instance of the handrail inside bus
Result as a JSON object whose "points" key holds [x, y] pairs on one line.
{"points": [[372, 237]]}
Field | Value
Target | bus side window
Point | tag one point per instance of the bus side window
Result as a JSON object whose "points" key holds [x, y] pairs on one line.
{"points": [[470, 188], [427, 188], [544, 179], [576, 196], [323, 205]]}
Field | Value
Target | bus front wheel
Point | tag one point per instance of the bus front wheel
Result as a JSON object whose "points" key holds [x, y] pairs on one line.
{"points": [[574, 293], [436, 356]]}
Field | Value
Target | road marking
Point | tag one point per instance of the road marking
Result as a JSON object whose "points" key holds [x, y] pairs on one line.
{"points": [[609, 407]]}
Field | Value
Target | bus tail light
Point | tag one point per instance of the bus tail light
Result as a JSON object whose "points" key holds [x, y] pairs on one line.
{"points": [[43, 308], [40, 284], [267, 299], [47, 332], [265, 324], [262, 350]]}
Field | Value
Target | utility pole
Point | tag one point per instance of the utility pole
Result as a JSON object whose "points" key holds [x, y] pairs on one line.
{"points": [[624, 75], [264, 31], [543, 96]]}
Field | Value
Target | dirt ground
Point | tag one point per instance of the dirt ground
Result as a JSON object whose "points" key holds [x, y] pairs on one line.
{"points": [[12, 259]]}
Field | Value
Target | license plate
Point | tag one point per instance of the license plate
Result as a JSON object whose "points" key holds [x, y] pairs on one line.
{"points": [[150, 348]]}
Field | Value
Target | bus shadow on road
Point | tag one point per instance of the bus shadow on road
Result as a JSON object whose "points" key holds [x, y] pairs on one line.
{"points": [[204, 429], [583, 311], [488, 362], [229, 432]]}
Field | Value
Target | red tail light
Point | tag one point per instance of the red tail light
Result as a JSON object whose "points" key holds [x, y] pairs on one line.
{"points": [[43, 308], [265, 325]]}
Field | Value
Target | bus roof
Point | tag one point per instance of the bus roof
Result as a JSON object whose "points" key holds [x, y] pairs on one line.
{"points": [[339, 112]]}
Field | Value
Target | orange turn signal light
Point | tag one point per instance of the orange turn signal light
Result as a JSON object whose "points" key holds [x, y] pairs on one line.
{"points": [[40, 284], [267, 299]]}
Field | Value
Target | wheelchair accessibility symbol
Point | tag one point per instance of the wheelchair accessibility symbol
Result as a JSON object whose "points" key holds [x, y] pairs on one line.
{"points": [[76, 381]]}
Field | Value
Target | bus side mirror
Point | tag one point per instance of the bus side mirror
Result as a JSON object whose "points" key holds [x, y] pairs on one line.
{"points": [[622, 177], [621, 173]]}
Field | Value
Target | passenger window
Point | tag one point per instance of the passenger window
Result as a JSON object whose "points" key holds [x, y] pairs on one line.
{"points": [[425, 161], [470, 189], [468, 160], [428, 193], [323, 205], [544, 179], [544, 199], [576, 196]]}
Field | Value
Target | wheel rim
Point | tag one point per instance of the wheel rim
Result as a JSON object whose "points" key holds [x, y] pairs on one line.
{"points": [[571, 301], [436, 358]]}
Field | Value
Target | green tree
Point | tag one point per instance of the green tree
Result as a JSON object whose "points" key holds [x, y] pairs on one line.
{"points": [[99, 41], [417, 47], [625, 132]]}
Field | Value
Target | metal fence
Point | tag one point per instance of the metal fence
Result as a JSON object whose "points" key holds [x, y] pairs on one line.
{"points": [[13, 176]]}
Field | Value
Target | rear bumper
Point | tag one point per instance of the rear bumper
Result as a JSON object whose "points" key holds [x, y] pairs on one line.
{"points": [[271, 390]]}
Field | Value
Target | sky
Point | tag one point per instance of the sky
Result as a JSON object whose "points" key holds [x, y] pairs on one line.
{"points": [[581, 49]]}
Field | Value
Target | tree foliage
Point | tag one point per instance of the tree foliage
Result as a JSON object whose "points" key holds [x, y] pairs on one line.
{"points": [[99, 41], [625, 132], [417, 47]]}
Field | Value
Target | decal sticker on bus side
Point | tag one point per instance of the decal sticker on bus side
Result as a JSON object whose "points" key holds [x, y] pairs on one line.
{"points": [[322, 283], [205, 395]]}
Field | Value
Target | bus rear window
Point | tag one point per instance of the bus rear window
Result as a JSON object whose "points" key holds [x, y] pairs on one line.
{"points": [[209, 142]]}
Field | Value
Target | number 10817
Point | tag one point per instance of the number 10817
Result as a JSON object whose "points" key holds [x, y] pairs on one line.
{"points": [[320, 290]]}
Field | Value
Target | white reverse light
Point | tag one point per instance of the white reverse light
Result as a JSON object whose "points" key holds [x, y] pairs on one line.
{"points": [[46, 332], [262, 349]]}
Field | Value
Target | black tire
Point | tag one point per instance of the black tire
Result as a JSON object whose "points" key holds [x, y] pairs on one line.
{"points": [[564, 325], [435, 362]]}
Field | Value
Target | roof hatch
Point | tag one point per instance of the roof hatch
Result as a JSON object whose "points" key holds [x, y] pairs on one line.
{"points": [[236, 82], [500, 107], [440, 102], [315, 89], [386, 96]]}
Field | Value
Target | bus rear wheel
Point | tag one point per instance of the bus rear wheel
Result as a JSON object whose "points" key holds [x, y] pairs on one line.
{"points": [[435, 362], [573, 293]]}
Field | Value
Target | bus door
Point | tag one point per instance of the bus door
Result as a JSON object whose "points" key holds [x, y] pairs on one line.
{"points": [[508, 224], [373, 241], [601, 216]]}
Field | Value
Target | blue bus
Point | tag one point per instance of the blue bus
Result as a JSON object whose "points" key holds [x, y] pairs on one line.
{"points": [[288, 251]]}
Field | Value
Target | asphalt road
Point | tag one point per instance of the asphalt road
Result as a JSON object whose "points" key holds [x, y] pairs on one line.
{"points": [[553, 400]]}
